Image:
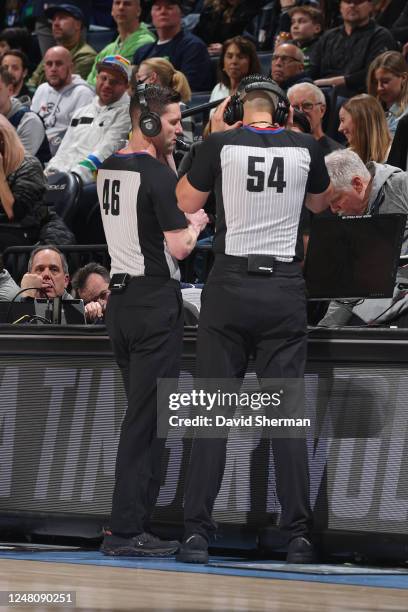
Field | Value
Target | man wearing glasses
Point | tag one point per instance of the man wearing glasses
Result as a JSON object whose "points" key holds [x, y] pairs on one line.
{"points": [[342, 55], [309, 99], [91, 284], [287, 66]]}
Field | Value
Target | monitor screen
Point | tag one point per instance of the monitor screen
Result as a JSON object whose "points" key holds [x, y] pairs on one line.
{"points": [[353, 257]]}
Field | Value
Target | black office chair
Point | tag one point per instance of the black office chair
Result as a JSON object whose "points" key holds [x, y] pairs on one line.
{"points": [[62, 195]]}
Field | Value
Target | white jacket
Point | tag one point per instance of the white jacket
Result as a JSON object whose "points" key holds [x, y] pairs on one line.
{"points": [[95, 132], [56, 107]]}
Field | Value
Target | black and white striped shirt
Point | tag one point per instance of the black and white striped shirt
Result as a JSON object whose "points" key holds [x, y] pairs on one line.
{"points": [[260, 178], [138, 203]]}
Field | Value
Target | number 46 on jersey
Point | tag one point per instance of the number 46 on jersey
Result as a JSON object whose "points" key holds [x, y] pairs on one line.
{"points": [[110, 198]]}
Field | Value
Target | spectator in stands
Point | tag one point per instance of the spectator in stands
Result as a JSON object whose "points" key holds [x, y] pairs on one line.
{"points": [[101, 127], [387, 80], [185, 51], [387, 12], [400, 28], [60, 96], [306, 28], [342, 55], [309, 99], [287, 66], [223, 19], [132, 33], [398, 155], [48, 272], [15, 38], [358, 190], [22, 187], [363, 123], [238, 59], [68, 24], [91, 284], [16, 63], [28, 125], [159, 71]]}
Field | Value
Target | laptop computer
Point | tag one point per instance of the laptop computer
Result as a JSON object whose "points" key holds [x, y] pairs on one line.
{"points": [[353, 257]]}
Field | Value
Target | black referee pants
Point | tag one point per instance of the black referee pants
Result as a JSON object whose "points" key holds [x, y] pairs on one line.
{"points": [[145, 325], [264, 316]]}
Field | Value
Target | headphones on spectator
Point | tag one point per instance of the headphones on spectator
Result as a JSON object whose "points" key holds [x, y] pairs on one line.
{"points": [[235, 109], [149, 122]]}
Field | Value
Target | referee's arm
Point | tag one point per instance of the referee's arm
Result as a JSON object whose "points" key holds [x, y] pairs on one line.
{"points": [[318, 202], [181, 242], [190, 199]]}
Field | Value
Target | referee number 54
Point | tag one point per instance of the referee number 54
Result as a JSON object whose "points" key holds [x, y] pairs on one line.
{"points": [[257, 174]]}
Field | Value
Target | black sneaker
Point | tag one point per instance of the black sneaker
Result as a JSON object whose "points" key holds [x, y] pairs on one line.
{"points": [[193, 549], [142, 545], [300, 550]]}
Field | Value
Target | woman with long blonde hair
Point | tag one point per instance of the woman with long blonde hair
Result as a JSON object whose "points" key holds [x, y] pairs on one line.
{"points": [[387, 80], [22, 186], [159, 71], [363, 123]]}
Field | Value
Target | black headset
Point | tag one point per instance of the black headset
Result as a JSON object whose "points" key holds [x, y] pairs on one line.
{"points": [[235, 109], [149, 122]]}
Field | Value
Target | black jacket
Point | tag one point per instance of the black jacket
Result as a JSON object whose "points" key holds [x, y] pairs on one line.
{"points": [[400, 27], [340, 54], [27, 185], [212, 27]]}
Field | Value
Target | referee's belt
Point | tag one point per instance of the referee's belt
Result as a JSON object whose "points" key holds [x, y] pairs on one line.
{"points": [[264, 265]]}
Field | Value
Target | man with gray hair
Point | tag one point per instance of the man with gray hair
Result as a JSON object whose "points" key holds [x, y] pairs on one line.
{"points": [[309, 99], [288, 66], [361, 190], [47, 275]]}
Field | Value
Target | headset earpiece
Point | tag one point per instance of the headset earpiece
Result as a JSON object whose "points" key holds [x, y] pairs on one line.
{"points": [[149, 122], [234, 111]]}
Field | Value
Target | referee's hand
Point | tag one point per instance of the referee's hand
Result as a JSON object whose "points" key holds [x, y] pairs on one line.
{"points": [[217, 120], [198, 220]]}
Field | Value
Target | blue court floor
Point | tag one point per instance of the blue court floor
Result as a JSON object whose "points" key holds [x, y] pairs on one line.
{"points": [[396, 578]]}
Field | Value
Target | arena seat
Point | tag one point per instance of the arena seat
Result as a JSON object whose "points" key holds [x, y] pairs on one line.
{"points": [[62, 195], [99, 37]]}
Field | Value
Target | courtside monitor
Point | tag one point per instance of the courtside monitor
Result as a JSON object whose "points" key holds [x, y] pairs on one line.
{"points": [[353, 257]]}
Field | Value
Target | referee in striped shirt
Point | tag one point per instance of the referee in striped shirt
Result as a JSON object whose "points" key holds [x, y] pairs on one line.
{"points": [[254, 300], [146, 235]]}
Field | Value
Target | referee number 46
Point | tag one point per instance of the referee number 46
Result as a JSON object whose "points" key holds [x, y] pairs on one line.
{"points": [[257, 174], [110, 197]]}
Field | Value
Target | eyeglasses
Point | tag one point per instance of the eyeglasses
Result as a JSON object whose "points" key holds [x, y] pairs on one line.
{"points": [[306, 106], [285, 59]]}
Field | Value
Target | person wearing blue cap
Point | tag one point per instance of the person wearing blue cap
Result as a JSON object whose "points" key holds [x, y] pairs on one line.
{"points": [[68, 23]]}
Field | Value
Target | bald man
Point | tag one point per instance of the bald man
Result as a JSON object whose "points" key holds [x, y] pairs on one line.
{"points": [[62, 94], [288, 66]]}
